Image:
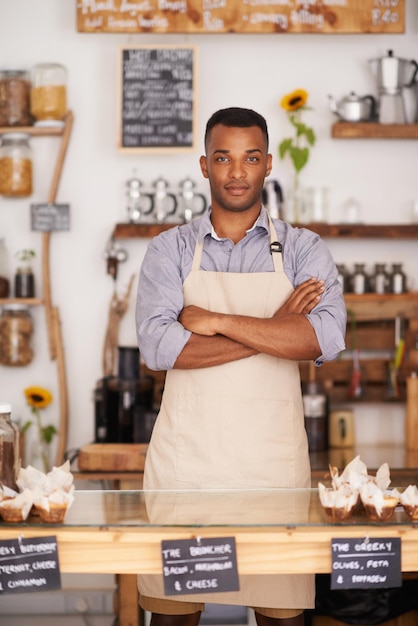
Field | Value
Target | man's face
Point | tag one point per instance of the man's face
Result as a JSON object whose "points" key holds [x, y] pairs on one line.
{"points": [[236, 164]]}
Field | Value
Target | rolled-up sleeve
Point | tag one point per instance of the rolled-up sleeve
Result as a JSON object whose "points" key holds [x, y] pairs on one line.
{"points": [[329, 316], [160, 336]]}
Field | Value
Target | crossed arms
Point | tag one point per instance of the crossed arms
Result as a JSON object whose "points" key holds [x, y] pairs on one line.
{"points": [[219, 338]]}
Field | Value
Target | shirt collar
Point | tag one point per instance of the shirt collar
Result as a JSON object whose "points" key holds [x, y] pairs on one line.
{"points": [[206, 228]]}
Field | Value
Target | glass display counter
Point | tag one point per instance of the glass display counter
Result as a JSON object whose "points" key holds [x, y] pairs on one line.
{"points": [[276, 530]]}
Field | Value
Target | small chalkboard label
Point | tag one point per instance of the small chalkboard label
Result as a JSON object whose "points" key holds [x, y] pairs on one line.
{"points": [[366, 563], [157, 98], [199, 566], [49, 216], [29, 565]]}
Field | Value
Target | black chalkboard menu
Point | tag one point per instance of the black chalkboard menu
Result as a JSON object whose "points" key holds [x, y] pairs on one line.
{"points": [[157, 98]]}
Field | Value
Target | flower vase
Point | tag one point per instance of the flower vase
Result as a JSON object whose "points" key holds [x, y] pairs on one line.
{"points": [[295, 204], [40, 455]]}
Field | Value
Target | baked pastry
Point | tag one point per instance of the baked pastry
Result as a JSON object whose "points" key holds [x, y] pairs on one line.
{"points": [[338, 503], [379, 505], [52, 508], [409, 501], [16, 508]]}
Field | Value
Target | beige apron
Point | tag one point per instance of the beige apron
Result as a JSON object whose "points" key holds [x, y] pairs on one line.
{"points": [[238, 425]]}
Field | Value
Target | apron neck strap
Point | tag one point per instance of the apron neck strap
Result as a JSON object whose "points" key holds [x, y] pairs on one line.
{"points": [[275, 249]]}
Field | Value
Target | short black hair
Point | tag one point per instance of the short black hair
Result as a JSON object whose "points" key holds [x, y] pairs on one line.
{"points": [[237, 117]]}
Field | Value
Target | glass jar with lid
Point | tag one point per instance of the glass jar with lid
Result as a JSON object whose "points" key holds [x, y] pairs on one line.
{"points": [[9, 447], [15, 165], [14, 98], [48, 96], [16, 330]]}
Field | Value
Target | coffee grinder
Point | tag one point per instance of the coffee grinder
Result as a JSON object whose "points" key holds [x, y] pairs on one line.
{"points": [[393, 74], [124, 403]]}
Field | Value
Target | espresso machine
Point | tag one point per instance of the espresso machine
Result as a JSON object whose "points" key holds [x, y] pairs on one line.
{"points": [[393, 75], [124, 403]]}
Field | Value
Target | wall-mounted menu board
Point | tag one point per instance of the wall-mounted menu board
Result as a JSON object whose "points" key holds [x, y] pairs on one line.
{"points": [[157, 98], [241, 16]]}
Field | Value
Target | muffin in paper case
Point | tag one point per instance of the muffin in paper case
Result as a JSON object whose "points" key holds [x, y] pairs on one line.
{"points": [[379, 504], [53, 507], [17, 507], [338, 502], [409, 501]]}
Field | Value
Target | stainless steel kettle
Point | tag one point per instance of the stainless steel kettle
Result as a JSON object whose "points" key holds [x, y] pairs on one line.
{"points": [[354, 108]]}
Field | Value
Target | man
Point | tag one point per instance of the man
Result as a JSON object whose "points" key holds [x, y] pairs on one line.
{"points": [[228, 305]]}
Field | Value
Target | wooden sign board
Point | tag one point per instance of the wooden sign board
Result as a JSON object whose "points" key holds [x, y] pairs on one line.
{"points": [[241, 16], [157, 98]]}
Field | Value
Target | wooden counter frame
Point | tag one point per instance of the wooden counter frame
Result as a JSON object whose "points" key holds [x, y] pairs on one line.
{"points": [[260, 550]]}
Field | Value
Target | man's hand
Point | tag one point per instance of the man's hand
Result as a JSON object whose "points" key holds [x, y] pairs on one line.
{"points": [[197, 320], [303, 298]]}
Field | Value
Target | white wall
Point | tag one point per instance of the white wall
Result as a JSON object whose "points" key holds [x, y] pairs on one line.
{"points": [[235, 70]]}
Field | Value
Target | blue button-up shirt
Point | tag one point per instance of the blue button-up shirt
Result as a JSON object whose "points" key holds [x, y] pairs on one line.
{"points": [[168, 261]]}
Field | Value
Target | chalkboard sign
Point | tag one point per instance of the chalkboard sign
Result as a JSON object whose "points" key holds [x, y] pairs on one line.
{"points": [[366, 563], [199, 565], [29, 565], [157, 98], [241, 16], [48, 216]]}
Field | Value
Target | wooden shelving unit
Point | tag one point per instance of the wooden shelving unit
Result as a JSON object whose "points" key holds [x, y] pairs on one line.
{"points": [[374, 316], [347, 231], [373, 130], [56, 351]]}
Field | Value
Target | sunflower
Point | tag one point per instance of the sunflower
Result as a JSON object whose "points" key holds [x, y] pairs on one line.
{"points": [[294, 100], [38, 397]]}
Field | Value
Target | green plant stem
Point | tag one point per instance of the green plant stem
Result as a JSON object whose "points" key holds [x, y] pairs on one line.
{"points": [[44, 455]]}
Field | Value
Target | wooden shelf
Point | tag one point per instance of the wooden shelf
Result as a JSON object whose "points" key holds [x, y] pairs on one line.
{"points": [[343, 231], [373, 130], [130, 230], [365, 231], [36, 131], [26, 301], [369, 307]]}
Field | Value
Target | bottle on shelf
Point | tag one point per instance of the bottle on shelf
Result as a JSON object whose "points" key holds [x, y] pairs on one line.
{"points": [[4, 270], [380, 279], [359, 279], [24, 277], [397, 279], [343, 277]]}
